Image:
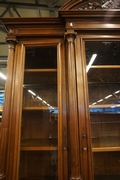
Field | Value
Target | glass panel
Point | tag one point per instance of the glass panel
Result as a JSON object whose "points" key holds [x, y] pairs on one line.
{"points": [[103, 74], [43, 57], [39, 133]]}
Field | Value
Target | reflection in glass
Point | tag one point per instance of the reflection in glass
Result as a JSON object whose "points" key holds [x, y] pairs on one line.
{"points": [[104, 104], [39, 131], [41, 57]]}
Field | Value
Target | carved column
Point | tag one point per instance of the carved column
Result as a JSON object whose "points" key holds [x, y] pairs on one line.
{"points": [[74, 153], [7, 104]]}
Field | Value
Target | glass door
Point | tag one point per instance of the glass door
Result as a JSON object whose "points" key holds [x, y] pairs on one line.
{"points": [[39, 128], [103, 75]]}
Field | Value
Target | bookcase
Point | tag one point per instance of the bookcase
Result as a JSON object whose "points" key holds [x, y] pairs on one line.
{"points": [[60, 121]]}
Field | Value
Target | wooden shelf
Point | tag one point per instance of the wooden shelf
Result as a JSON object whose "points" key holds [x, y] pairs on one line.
{"points": [[104, 113], [105, 66], [40, 70], [39, 178], [105, 149], [39, 145], [106, 122], [33, 108], [103, 106], [106, 144]]}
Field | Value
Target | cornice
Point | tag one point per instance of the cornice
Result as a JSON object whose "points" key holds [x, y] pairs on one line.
{"points": [[111, 13], [36, 26], [31, 21]]}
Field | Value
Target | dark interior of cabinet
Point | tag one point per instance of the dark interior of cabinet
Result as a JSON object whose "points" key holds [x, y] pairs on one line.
{"points": [[105, 130], [106, 165], [41, 57], [105, 134], [39, 127], [39, 144], [104, 104], [103, 82], [37, 165], [108, 52]]}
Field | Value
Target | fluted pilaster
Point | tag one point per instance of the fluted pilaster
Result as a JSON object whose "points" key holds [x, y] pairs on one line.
{"points": [[6, 111], [74, 153]]}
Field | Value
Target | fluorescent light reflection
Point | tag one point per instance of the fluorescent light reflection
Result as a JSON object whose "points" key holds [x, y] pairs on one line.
{"points": [[32, 92], [38, 97], [108, 96], [115, 106], [91, 62], [100, 100], [117, 92], [44, 102], [118, 105], [94, 103]]}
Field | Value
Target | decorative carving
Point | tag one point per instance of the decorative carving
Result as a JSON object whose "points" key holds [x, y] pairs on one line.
{"points": [[99, 4]]}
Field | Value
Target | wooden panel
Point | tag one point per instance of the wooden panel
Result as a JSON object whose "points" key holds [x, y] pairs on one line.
{"points": [[105, 149], [7, 106], [39, 144], [37, 125], [83, 111], [38, 165], [105, 130], [107, 163], [73, 131], [15, 115], [107, 177]]}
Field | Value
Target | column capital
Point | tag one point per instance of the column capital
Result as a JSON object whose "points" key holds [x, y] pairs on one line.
{"points": [[11, 41], [70, 35]]}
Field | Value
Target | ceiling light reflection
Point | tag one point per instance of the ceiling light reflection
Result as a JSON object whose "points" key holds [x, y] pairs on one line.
{"points": [[43, 101], [108, 96], [94, 103], [117, 92], [39, 98], [32, 92], [100, 100], [91, 62]]}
